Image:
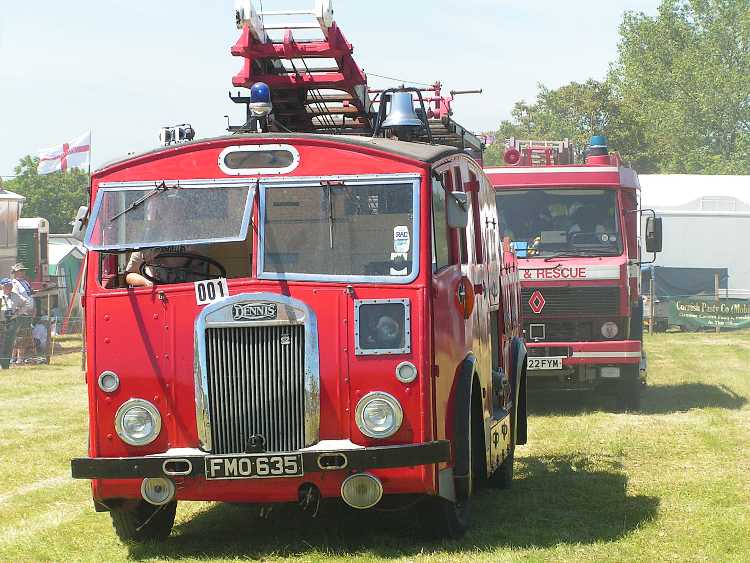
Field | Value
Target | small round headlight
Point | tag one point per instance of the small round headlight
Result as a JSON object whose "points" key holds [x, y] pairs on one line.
{"points": [[609, 330], [406, 372], [109, 381], [137, 422], [379, 415]]}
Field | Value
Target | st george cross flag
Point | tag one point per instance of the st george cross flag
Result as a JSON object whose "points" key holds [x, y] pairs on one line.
{"points": [[75, 154]]}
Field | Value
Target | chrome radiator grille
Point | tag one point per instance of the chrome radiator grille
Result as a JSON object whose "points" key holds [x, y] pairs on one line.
{"points": [[256, 387]]}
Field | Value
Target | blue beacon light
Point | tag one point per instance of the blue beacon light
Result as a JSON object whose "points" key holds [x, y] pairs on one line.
{"points": [[260, 99], [598, 146]]}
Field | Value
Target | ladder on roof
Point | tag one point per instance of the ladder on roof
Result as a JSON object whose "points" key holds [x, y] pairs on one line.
{"points": [[542, 153], [307, 62]]}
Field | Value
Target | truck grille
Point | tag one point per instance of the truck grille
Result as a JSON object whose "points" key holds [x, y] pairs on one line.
{"points": [[256, 387], [572, 301]]}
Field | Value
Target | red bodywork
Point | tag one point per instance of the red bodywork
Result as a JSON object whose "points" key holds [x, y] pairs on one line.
{"points": [[540, 277], [147, 335]]}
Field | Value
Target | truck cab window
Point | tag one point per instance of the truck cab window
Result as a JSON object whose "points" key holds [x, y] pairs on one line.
{"points": [[440, 248]]}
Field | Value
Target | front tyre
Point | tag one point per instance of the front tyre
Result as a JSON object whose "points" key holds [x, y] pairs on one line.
{"points": [[143, 522], [629, 390]]}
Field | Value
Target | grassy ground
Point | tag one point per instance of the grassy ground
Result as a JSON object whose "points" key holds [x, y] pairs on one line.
{"points": [[671, 483]]}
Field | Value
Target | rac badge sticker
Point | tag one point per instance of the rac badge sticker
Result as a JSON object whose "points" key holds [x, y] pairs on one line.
{"points": [[536, 302], [254, 311]]}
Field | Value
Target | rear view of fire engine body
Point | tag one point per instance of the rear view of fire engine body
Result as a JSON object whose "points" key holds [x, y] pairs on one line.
{"points": [[323, 315], [576, 231]]}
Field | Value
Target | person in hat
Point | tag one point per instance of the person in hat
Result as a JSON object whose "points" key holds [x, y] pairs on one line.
{"points": [[11, 304], [22, 287]]}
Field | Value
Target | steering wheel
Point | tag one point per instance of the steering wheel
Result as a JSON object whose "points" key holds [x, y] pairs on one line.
{"points": [[195, 268]]}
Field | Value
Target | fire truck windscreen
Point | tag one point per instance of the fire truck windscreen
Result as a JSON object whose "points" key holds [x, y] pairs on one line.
{"points": [[128, 218], [543, 223], [358, 231]]}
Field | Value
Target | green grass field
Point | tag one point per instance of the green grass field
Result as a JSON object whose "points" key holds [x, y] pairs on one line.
{"points": [[671, 483]]}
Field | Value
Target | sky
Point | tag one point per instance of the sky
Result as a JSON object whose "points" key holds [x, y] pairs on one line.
{"points": [[125, 68]]}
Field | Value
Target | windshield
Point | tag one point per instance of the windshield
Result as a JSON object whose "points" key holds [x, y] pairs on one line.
{"points": [[162, 215], [545, 223], [340, 232]]}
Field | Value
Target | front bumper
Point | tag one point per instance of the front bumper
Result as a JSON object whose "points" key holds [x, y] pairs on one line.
{"points": [[615, 352], [194, 461]]}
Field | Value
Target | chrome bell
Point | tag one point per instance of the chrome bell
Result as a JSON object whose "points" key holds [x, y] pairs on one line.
{"points": [[402, 112]]}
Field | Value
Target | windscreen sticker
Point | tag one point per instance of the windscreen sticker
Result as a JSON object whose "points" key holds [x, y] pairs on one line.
{"points": [[399, 258], [401, 239]]}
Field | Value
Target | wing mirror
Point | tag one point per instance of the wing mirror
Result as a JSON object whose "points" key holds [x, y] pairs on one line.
{"points": [[653, 234], [457, 204], [80, 222]]}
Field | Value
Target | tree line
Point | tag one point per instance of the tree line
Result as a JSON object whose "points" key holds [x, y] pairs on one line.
{"points": [[676, 100]]}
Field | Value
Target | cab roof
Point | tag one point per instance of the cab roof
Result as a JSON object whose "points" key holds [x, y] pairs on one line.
{"points": [[423, 152]]}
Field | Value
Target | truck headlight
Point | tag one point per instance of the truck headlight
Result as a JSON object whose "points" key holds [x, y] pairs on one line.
{"points": [[609, 329], [137, 422], [379, 415]]}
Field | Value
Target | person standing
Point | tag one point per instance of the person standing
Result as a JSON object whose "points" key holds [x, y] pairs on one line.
{"points": [[11, 303], [22, 287]]}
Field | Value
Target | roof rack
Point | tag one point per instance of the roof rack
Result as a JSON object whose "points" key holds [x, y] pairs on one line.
{"points": [[542, 153], [317, 86]]}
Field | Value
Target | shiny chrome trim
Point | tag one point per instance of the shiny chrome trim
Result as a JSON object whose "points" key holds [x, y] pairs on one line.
{"points": [[258, 148], [398, 414], [104, 374], [358, 351], [312, 361], [413, 179], [187, 471], [151, 409], [406, 379], [343, 465]]}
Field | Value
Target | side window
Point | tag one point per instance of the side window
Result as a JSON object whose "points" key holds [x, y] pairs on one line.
{"points": [[440, 253], [473, 189], [462, 253]]}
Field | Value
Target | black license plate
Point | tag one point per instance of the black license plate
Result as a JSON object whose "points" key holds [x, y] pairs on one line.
{"points": [[255, 466]]}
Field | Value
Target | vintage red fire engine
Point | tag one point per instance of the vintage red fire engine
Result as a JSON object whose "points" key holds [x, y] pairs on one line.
{"points": [[576, 230], [289, 317]]}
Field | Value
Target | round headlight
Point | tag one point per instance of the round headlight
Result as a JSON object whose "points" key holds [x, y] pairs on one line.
{"points": [[406, 372], [609, 330], [137, 422], [379, 415], [157, 490], [109, 381]]}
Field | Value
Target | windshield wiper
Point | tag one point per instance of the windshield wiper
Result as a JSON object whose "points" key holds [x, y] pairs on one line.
{"points": [[578, 253], [163, 187]]}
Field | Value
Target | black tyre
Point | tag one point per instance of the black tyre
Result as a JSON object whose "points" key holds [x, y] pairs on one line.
{"points": [[502, 478], [143, 521], [629, 390], [441, 518]]}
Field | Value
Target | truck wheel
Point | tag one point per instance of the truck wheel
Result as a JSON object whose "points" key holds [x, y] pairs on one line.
{"points": [[442, 518], [629, 390], [144, 522], [502, 478]]}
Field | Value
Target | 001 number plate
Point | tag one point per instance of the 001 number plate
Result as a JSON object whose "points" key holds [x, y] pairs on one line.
{"points": [[545, 363], [256, 466]]}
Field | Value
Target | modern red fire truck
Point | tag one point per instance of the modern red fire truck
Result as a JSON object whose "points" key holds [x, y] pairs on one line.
{"points": [[575, 228], [278, 316]]}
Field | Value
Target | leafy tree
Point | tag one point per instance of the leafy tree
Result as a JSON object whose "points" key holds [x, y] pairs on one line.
{"points": [[56, 196], [677, 100], [684, 80]]}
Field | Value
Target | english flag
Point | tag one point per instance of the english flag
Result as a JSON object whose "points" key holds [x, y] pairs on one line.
{"points": [[75, 154]]}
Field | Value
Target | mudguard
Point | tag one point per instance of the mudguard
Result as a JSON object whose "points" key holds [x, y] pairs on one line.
{"points": [[461, 426], [518, 361]]}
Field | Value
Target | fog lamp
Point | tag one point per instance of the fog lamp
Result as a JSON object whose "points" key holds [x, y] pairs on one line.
{"points": [[361, 490], [379, 415], [609, 330], [157, 490], [137, 422]]}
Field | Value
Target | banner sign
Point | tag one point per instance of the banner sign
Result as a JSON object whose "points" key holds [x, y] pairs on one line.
{"points": [[572, 272], [696, 313]]}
